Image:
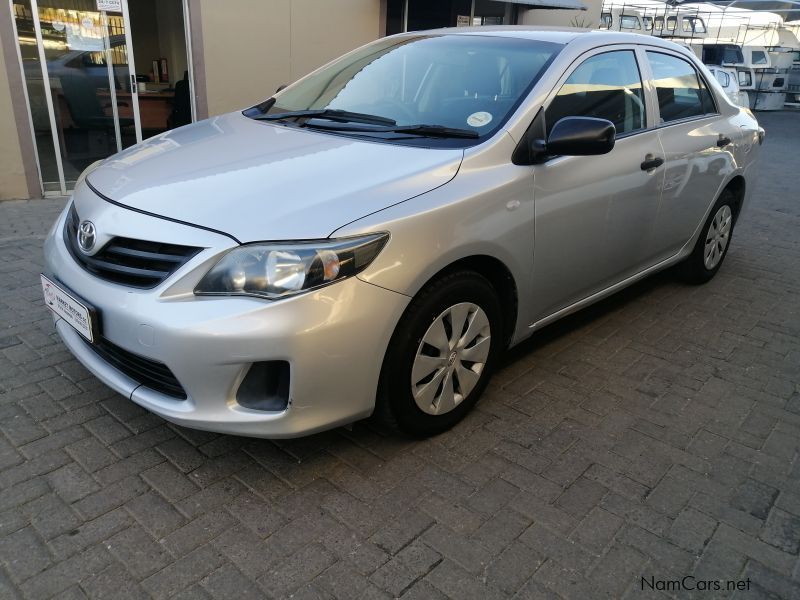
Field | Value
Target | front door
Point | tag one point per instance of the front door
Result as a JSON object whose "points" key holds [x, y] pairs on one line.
{"points": [[595, 214]]}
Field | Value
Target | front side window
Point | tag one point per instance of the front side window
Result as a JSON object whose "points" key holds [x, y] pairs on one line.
{"points": [[658, 23], [672, 22], [606, 86], [467, 82], [681, 92], [694, 24], [723, 78], [745, 78], [648, 23]]}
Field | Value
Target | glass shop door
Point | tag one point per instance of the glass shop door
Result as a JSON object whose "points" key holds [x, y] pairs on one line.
{"points": [[83, 102]]}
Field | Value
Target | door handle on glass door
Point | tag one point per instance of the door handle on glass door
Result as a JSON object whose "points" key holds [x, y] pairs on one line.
{"points": [[651, 162]]}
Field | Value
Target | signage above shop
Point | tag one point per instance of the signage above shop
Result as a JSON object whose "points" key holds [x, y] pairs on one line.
{"points": [[109, 5]]}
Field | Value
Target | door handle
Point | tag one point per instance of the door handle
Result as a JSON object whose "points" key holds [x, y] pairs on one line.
{"points": [[651, 162], [723, 141]]}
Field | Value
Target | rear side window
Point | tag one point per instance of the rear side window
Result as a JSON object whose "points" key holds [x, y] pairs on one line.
{"points": [[694, 24], [718, 54], [606, 86], [629, 22], [681, 92]]}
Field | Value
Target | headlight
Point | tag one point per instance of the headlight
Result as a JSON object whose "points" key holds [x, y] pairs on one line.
{"points": [[276, 270]]}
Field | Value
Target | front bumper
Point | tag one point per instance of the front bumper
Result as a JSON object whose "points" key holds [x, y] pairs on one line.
{"points": [[334, 339]]}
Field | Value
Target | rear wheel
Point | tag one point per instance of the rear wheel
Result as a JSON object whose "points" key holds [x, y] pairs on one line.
{"points": [[441, 355], [712, 245]]}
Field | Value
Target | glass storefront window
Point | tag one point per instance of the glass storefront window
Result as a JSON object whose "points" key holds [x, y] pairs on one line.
{"points": [[37, 99], [78, 49], [489, 12], [425, 14], [85, 102]]}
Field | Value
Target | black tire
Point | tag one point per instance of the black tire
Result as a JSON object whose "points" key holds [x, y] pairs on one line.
{"points": [[396, 406], [694, 269]]}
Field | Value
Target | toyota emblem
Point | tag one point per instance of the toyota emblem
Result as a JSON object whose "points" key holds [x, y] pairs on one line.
{"points": [[86, 236]]}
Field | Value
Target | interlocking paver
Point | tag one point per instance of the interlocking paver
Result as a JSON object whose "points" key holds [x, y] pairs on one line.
{"points": [[692, 529], [782, 530], [654, 434], [229, 582], [155, 514]]}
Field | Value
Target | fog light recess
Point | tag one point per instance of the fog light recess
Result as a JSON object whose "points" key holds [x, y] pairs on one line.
{"points": [[265, 387]]}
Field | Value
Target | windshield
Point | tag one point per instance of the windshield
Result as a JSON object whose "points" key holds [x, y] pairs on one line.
{"points": [[466, 82]]}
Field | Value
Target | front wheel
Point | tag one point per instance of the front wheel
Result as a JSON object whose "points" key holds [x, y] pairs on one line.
{"points": [[441, 355], [712, 245]]}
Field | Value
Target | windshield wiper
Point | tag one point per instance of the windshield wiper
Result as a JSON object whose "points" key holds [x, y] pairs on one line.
{"points": [[420, 129], [329, 113], [386, 125], [434, 131]]}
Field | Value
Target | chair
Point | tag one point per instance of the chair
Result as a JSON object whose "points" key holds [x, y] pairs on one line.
{"points": [[181, 105], [89, 119]]}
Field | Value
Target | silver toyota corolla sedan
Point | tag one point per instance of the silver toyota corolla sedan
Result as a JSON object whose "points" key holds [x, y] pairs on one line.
{"points": [[371, 238]]}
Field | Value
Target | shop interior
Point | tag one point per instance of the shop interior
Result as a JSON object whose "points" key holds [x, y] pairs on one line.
{"points": [[91, 95]]}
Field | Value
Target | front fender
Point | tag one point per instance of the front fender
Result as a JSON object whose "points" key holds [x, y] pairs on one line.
{"points": [[486, 210]]}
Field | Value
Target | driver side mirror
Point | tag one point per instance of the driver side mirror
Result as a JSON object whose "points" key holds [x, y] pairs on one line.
{"points": [[578, 136]]}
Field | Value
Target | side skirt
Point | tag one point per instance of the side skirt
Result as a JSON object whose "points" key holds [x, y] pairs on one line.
{"points": [[597, 296]]}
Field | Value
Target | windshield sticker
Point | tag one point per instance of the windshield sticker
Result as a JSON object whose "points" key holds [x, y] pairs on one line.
{"points": [[479, 119]]}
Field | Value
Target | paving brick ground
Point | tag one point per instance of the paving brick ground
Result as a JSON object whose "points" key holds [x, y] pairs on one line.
{"points": [[655, 435]]}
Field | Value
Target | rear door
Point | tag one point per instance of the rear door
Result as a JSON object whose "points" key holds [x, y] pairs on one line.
{"points": [[697, 149], [594, 214]]}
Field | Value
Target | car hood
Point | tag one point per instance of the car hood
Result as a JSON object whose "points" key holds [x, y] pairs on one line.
{"points": [[256, 180]]}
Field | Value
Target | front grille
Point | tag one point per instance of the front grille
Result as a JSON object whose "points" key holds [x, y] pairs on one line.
{"points": [[135, 263], [149, 373]]}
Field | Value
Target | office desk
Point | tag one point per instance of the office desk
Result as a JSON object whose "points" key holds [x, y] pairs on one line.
{"points": [[154, 107]]}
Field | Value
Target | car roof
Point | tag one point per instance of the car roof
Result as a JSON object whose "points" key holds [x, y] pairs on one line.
{"points": [[559, 35]]}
